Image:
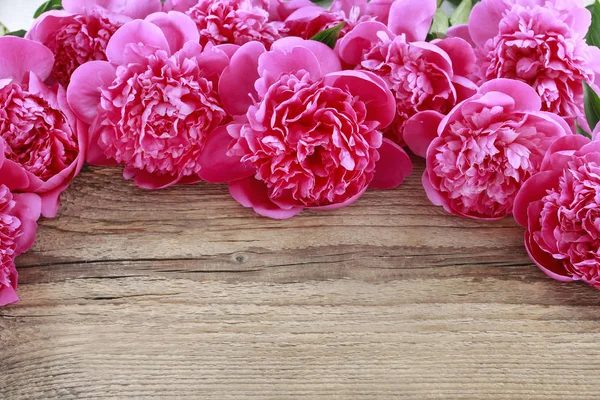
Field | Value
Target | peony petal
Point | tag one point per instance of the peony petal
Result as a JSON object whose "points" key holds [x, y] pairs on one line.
{"points": [[48, 25], [135, 32], [236, 85], [252, 193], [369, 88], [461, 55], [274, 63], [146, 180], [392, 168], [550, 266], [432, 194], [421, 130], [352, 46], [177, 27], [83, 93], [526, 99], [484, 21], [21, 56], [462, 32], [412, 17], [219, 167], [136, 9], [326, 57], [347, 6], [50, 201], [8, 295], [28, 207], [139, 9], [343, 204], [561, 151], [464, 88], [380, 9], [532, 190]]}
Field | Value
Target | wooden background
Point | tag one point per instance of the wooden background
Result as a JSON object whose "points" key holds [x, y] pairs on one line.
{"points": [[183, 293]]}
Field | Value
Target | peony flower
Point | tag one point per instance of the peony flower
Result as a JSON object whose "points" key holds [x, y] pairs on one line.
{"points": [[482, 152], [422, 76], [152, 105], [236, 21], [540, 43], [81, 32], [18, 216], [560, 207], [44, 143], [412, 16], [311, 136]]}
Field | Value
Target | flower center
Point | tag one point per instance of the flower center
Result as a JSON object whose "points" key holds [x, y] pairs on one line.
{"points": [[83, 40], [37, 135]]}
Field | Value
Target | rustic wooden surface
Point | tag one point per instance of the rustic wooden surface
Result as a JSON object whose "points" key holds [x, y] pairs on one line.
{"points": [[183, 293]]}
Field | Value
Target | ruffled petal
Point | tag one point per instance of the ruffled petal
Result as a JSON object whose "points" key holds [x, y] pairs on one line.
{"points": [[83, 93], [217, 165], [252, 193], [393, 167]]}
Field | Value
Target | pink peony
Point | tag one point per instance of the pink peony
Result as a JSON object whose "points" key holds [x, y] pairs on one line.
{"points": [[482, 152], [152, 105], [235, 21], [81, 32], [560, 207], [44, 143], [18, 216], [540, 43], [422, 76], [411, 16], [311, 137]]}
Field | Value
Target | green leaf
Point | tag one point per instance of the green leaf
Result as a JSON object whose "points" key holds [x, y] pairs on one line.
{"points": [[593, 35], [20, 33], [440, 24], [48, 6], [591, 104], [462, 13], [582, 132], [329, 36]]}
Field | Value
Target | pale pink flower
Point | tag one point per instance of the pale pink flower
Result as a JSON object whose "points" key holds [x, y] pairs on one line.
{"points": [[44, 141], [540, 42], [311, 137], [560, 207], [422, 76], [235, 21], [482, 152], [154, 102], [81, 32]]}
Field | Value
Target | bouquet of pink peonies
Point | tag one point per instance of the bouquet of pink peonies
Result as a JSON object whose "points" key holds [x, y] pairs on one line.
{"points": [[298, 106]]}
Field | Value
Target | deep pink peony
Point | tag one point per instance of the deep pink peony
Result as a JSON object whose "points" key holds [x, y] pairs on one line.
{"points": [[44, 141], [412, 17], [152, 105], [482, 152], [18, 225], [237, 21], [81, 32], [422, 76], [311, 137], [560, 207], [540, 42]]}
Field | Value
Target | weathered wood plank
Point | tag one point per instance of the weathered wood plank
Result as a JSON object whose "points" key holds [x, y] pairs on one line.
{"points": [[182, 293]]}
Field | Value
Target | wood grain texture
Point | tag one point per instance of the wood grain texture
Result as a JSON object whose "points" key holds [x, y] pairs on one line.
{"points": [[183, 293]]}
